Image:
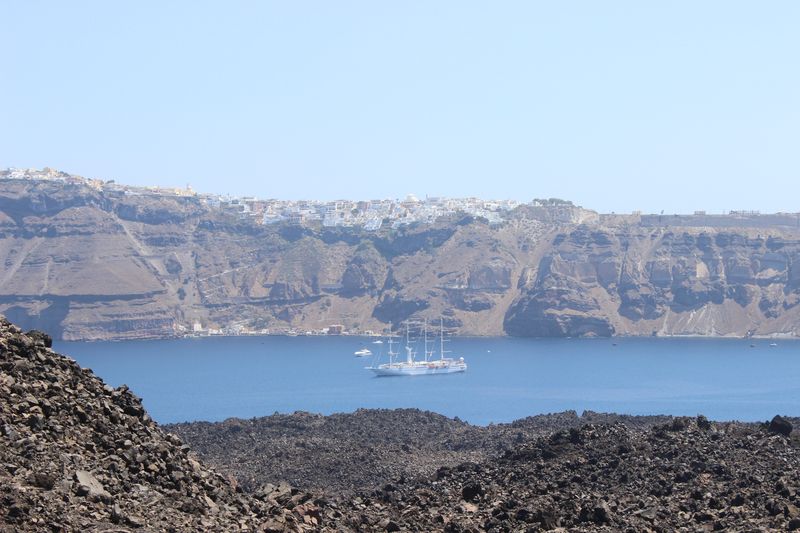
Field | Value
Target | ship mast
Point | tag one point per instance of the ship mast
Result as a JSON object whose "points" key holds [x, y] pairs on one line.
{"points": [[392, 353], [409, 352], [441, 338], [428, 353]]}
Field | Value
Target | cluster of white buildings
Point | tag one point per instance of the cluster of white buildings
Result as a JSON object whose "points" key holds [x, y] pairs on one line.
{"points": [[371, 215], [374, 214]]}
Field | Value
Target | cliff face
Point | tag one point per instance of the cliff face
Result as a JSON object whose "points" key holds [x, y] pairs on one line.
{"points": [[663, 281], [83, 263]]}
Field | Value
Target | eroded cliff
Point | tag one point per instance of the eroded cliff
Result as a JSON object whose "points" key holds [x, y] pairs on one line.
{"points": [[82, 262]]}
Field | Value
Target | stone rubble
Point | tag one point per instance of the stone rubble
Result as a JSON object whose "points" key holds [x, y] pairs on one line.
{"points": [[689, 475], [361, 451], [560, 472], [79, 455]]}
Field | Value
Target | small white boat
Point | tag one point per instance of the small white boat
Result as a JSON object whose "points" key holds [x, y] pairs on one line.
{"points": [[377, 342], [362, 352], [773, 344]]}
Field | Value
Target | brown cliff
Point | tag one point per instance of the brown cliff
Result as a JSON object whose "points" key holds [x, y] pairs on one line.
{"points": [[88, 263]]}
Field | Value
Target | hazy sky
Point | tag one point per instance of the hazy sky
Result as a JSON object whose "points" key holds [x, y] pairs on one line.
{"points": [[615, 105]]}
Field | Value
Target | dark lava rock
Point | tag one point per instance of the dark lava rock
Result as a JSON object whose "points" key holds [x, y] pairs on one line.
{"points": [[41, 338], [581, 473], [78, 455], [780, 425], [364, 450], [472, 491], [93, 460], [586, 486]]}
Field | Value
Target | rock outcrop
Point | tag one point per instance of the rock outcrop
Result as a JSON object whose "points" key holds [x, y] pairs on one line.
{"points": [[78, 455], [640, 281], [365, 273]]}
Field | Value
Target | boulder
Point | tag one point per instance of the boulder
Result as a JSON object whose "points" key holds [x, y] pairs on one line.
{"points": [[780, 425], [41, 338], [88, 485], [472, 491]]}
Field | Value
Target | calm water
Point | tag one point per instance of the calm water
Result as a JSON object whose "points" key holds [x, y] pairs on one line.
{"points": [[217, 378]]}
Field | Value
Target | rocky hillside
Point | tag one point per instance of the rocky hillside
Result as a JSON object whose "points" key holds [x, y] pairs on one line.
{"points": [[83, 262], [406, 470], [78, 455], [689, 475], [361, 451]]}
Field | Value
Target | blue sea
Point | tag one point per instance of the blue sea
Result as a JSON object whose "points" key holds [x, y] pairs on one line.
{"points": [[220, 377]]}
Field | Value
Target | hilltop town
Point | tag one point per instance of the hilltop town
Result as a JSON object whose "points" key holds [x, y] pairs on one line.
{"points": [[369, 215], [377, 214]]}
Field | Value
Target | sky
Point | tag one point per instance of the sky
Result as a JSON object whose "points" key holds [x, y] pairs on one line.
{"points": [[618, 106]]}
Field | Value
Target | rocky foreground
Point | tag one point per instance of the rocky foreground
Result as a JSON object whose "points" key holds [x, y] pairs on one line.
{"points": [[361, 451], [420, 471], [689, 475], [78, 455]]}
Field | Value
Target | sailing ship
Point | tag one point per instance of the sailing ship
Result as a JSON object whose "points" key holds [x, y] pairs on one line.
{"points": [[413, 367]]}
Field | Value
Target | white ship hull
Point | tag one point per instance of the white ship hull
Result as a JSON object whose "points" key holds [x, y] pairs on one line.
{"points": [[419, 368]]}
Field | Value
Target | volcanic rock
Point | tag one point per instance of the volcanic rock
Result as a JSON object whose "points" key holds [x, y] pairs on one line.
{"points": [[609, 478], [780, 425], [78, 455]]}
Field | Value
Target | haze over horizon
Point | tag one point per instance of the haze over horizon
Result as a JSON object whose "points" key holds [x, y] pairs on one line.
{"points": [[620, 107]]}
